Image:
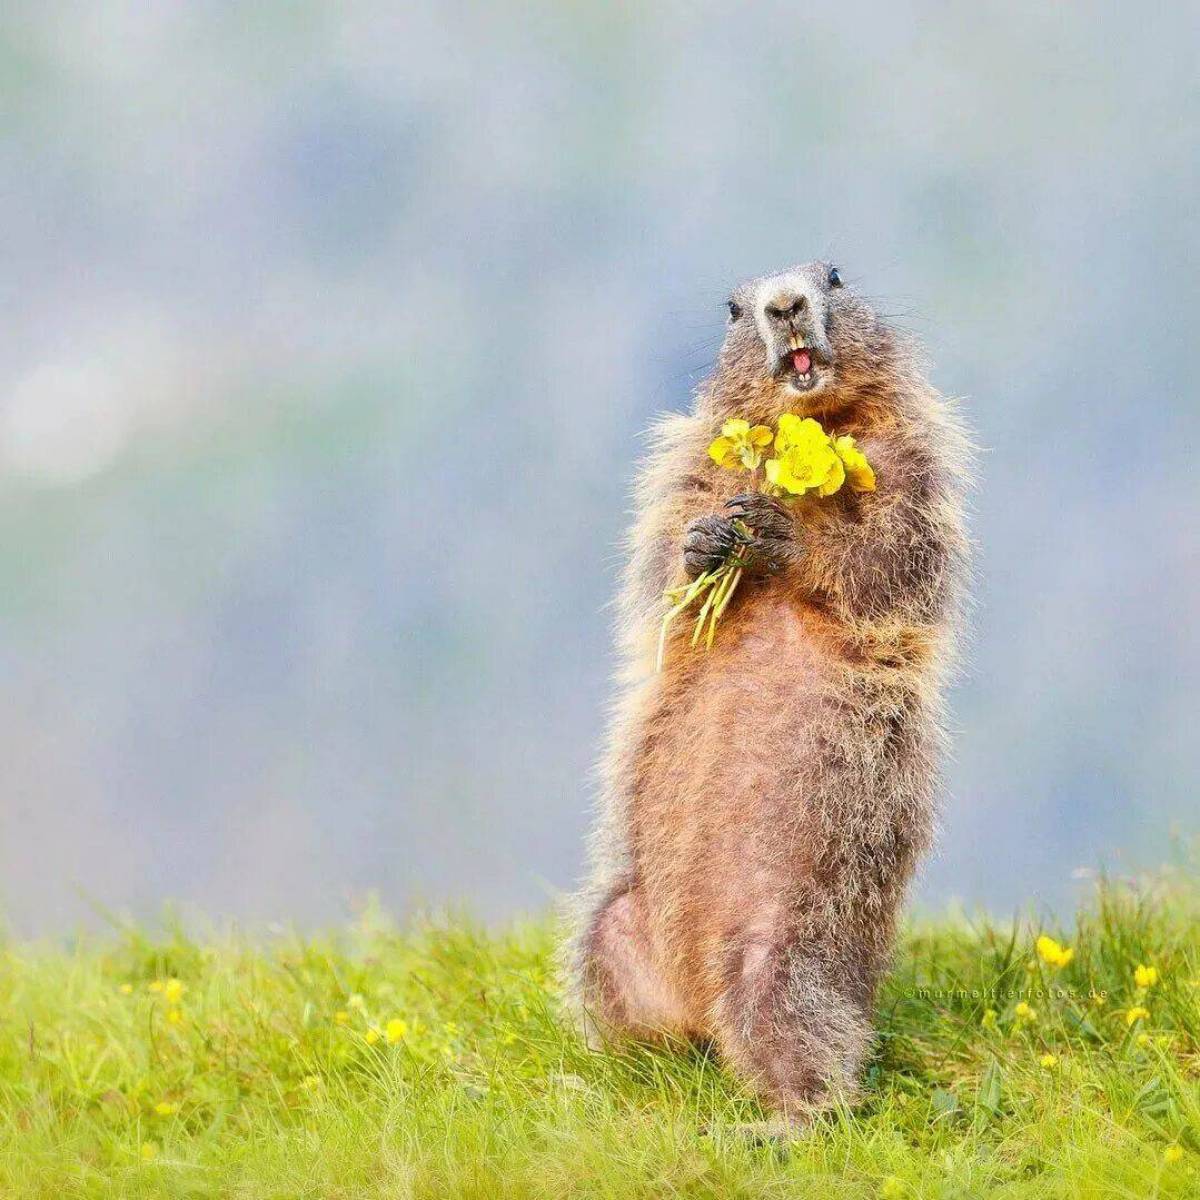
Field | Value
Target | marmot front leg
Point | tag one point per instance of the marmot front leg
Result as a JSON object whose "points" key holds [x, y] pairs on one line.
{"points": [[770, 546], [774, 545], [797, 1037], [708, 542]]}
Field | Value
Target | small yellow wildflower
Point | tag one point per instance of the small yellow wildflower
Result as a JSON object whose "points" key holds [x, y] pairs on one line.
{"points": [[175, 1016], [740, 445], [859, 474], [396, 1031], [806, 458], [357, 1002], [341, 1017], [173, 991], [1163, 1041], [126, 989], [988, 1020], [891, 1188], [1143, 1040], [165, 1108], [1135, 1014], [1053, 953], [508, 1037], [1025, 1012], [1173, 1153], [372, 1036], [1145, 977], [1049, 1061], [155, 985], [149, 1150]]}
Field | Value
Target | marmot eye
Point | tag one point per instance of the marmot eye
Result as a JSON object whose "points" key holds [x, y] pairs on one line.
{"points": [[735, 310], [835, 279]]}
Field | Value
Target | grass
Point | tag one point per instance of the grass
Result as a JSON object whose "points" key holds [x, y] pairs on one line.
{"points": [[224, 1066]]}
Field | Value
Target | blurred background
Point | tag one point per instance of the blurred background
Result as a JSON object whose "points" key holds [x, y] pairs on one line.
{"points": [[330, 334]]}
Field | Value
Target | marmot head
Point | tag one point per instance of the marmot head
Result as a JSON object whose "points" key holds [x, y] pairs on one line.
{"points": [[800, 341]]}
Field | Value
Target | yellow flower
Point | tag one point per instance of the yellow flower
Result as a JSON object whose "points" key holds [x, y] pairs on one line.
{"points": [[1135, 1014], [149, 1150], [988, 1020], [1143, 1040], [806, 459], [164, 1108], [1145, 977], [175, 1016], [1049, 1061], [341, 1017], [372, 1036], [1051, 952], [740, 445], [797, 431], [859, 474], [1025, 1012], [1172, 1154], [356, 1001], [396, 1030], [173, 991], [155, 985], [126, 989]]}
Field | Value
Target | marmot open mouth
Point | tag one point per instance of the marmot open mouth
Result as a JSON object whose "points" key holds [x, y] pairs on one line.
{"points": [[801, 368]]}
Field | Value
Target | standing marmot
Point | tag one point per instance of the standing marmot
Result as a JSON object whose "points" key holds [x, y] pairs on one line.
{"points": [[765, 803]]}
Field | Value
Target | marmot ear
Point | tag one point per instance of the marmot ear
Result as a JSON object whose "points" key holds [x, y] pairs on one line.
{"points": [[735, 310]]}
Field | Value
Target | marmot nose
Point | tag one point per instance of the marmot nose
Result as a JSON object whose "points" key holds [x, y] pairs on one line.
{"points": [[787, 306]]}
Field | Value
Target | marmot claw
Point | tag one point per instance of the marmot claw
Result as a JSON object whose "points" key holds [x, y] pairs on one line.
{"points": [[707, 542], [764, 514]]}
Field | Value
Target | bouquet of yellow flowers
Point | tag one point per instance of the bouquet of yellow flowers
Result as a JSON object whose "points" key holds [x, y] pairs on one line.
{"points": [[807, 459]]}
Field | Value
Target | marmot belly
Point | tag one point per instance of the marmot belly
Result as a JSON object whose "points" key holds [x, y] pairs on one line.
{"points": [[771, 771]]}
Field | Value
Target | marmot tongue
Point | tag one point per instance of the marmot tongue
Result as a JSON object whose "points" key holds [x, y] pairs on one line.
{"points": [[801, 362]]}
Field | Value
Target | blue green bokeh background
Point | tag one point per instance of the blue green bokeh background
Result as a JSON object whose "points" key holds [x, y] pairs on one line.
{"points": [[330, 332]]}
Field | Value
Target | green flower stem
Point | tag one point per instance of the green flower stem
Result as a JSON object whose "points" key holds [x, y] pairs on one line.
{"points": [[735, 577], [693, 590], [715, 585], [714, 598]]}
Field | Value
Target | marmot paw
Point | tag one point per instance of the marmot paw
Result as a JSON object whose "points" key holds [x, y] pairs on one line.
{"points": [[707, 542], [774, 541], [764, 514]]}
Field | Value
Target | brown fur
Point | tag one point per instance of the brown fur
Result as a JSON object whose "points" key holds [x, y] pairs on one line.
{"points": [[765, 803]]}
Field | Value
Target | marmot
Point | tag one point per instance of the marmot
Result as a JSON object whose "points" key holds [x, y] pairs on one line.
{"points": [[764, 803]]}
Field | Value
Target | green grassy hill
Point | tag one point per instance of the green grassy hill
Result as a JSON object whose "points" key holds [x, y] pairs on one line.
{"points": [[433, 1061]]}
